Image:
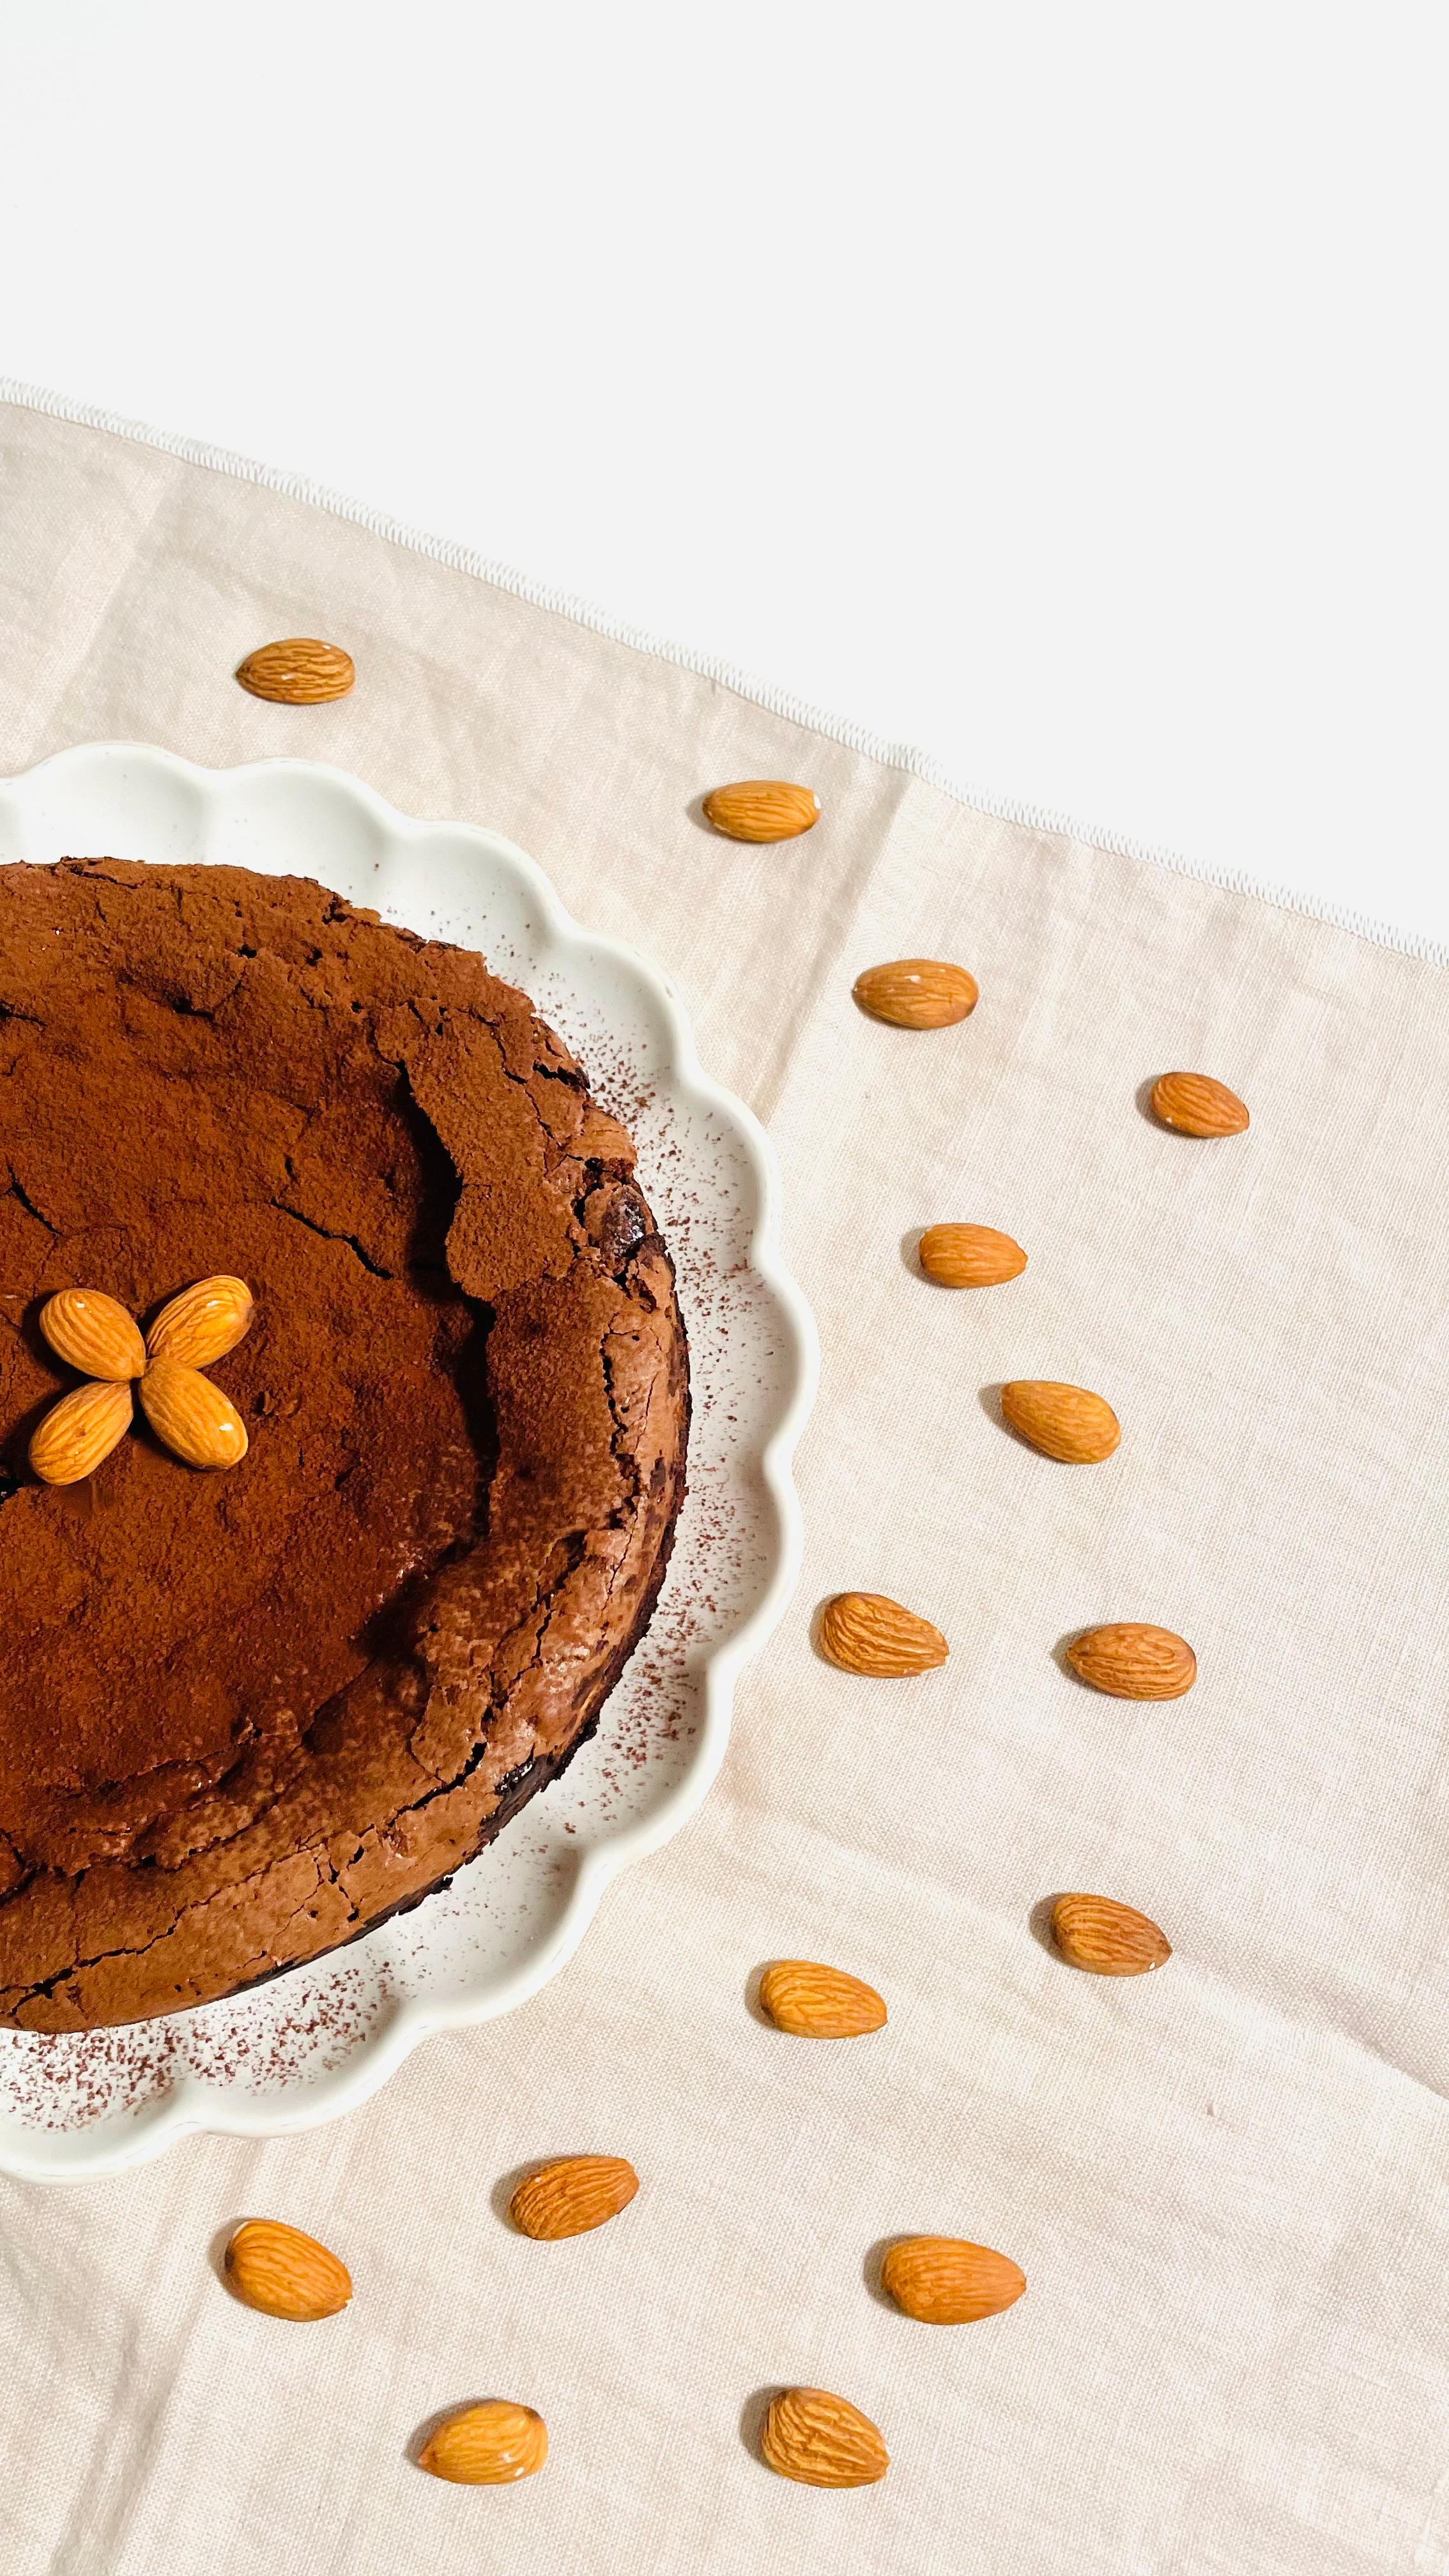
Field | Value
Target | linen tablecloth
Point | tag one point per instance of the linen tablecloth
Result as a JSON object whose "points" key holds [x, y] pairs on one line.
{"points": [[1228, 2183]]}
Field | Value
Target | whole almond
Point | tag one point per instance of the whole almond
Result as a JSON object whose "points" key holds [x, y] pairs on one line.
{"points": [[1196, 1105], [821, 2440], [192, 1416], [299, 671], [969, 1256], [1066, 1422], [917, 993], [94, 1333], [572, 2195], [1111, 1940], [865, 1632], [490, 2445], [70, 1441], [203, 1323], [762, 809], [944, 2281], [276, 2268], [815, 2002], [1134, 1661]]}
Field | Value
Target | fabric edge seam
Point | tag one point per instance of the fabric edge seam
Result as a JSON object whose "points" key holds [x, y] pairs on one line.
{"points": [[903, 757]]}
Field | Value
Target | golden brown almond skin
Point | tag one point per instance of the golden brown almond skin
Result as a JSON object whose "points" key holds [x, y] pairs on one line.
{"points": [[945, 2281], [1065, 1422], [917, 993], [815, 2002], [572, 2195], [93, 1333], [1194, 1104], [203, 1323], [1133, 1660], [969, 1256], [297, 671], [821, 2440], [762, 809], [1108, 1939], [492, 2445], [868, 1633], [192, 1415], [71, 1440], [278, 2270]]}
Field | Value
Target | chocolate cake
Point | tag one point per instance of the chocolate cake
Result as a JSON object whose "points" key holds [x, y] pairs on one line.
{"points": [[245, 1715]]}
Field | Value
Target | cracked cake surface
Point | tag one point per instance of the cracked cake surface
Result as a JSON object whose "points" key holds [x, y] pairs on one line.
{"points": [[245, 1715]]}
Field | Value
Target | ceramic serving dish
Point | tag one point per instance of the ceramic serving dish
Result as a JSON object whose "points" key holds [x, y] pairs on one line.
{"points": [[321, 2037]]}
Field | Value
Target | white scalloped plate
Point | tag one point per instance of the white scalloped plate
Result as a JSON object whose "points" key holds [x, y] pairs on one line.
{"points": [[322, 2037]]}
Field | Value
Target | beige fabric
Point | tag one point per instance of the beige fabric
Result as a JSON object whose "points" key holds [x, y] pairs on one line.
{"points": [[1228, 2184]]}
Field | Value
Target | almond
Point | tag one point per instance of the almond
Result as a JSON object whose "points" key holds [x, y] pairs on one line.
{"points": [[1134, 1661], [276, 2268], [946, 2282], [1066, 1422], [969, 1256], [487, 2446], [816, 2002], [299, 671], [822, 2441], [70, 1441], [203, 1323], [94, 1333], [917, 993], [192, 1416], [572, 2195], [864, 1632], [1111, 1940], [1196, 1105], [762, 809]]}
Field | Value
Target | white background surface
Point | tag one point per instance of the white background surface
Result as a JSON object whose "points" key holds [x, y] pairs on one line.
{"points": [[1058, 388]]}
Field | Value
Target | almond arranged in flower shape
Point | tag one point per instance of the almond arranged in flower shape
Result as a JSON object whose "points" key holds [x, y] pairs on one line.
{"points": [[1111, 1940], [298, 671], [821, 2440], [492, 2445], [1196, 1105], [816, 2002], [866, 1632], [1066, 1422], [72, 1439], [762, 809], [1134, 1661], [572, 2195], [917, 993], [969, 1256], [944, 2281], [192, 1416], [203, 1323], [93, 1333], [276, 2268]]}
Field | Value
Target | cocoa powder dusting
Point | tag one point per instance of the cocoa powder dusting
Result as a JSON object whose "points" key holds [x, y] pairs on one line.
{"points": [[244, 1715]]}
